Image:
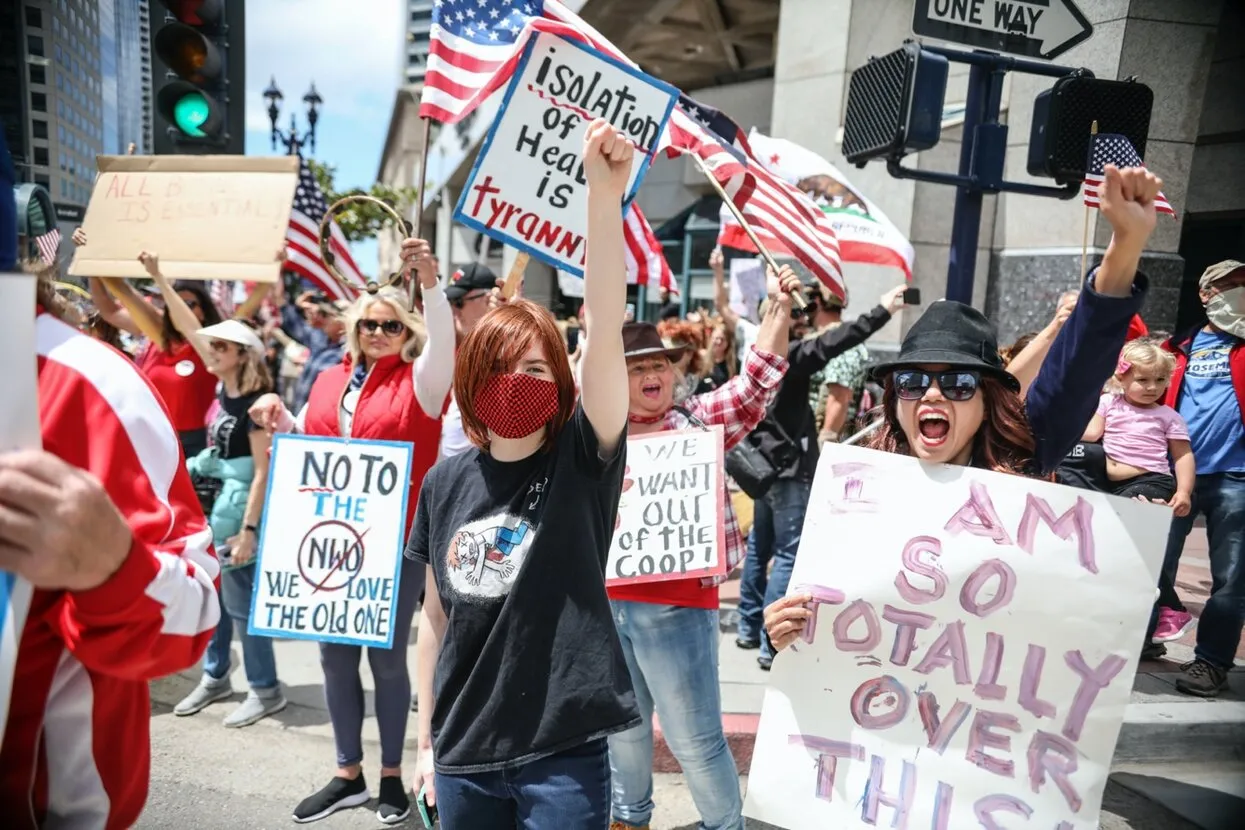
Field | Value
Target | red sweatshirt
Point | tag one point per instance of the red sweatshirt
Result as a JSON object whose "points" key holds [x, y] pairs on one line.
{"points": [[76, 748]]}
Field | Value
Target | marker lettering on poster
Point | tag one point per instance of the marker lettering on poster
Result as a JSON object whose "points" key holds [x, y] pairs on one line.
{"points": [[670, 516], [945, 674], [330, 550], [528, 186]]}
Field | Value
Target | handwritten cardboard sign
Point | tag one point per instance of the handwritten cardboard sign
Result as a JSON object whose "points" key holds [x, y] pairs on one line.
{"points": [[528, 187], [207, 217], [974, 646], [330, 549], [19, 430], [670, 516]]}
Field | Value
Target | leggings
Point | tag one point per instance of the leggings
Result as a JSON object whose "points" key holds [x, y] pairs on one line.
{"points": [[343, 690]]}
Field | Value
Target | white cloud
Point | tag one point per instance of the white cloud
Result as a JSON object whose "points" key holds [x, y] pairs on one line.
{"points": [[352, 50]]}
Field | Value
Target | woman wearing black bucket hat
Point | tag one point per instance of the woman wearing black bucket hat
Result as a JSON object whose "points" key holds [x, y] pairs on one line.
{"points": [[948, 399]]}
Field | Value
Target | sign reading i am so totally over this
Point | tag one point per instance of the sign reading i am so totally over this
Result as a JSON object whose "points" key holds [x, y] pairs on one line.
{"points": [[973, 648], [670, 519], [528, 187], [330, 550]]}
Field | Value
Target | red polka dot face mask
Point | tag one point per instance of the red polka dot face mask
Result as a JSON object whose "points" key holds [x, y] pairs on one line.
{"points": [[514, 405]]}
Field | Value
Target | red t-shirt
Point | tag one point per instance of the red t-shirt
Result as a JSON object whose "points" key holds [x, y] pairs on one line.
{"points": [[184, 383], [1136, 328]]}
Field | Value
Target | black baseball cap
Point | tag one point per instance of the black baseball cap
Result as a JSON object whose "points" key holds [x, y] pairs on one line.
{"points": [[473, 277]]}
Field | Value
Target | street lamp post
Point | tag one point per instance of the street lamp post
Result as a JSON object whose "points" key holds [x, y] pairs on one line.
{"points": [[292, 139]]}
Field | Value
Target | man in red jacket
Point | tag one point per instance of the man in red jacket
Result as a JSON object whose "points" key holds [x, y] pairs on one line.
{"points": [[108, 580]]}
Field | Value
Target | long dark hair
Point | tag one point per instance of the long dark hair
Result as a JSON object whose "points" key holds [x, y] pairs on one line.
{"points": [[1003, 443], [211, 314]]}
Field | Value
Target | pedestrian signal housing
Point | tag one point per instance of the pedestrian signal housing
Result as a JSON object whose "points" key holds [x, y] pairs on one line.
{"points": [[1063, 117], [894, 105]]}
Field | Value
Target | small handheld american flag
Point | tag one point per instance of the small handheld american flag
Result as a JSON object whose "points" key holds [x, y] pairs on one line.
{"points": [[1112, 148]]}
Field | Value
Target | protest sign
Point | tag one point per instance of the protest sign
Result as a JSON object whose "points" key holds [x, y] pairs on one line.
{"points": [[670, 519], [19, 430], [747, 287], [974, 646], [330, 549], [527, 187], [207, 217]]}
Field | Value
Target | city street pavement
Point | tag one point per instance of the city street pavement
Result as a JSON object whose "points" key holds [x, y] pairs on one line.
{"points": [[1176, 753]]}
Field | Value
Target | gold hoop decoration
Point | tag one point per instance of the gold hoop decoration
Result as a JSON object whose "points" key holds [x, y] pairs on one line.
{"points": [[372, 286]]}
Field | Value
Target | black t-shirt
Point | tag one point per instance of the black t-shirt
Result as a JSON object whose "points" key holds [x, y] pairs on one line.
{"points": [[232, 426], [530, 664]]}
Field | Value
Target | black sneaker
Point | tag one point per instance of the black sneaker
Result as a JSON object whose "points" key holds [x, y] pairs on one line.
{"points": [[1153, 651], [765, 661], [1202, 679], [394, 805], [338, 794], [746, 644]]}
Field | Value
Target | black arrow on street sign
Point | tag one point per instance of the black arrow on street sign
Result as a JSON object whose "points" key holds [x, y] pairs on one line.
{"points": [[1032, 28]]}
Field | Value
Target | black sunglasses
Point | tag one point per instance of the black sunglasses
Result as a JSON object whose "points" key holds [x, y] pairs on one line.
{"points": [[955, 384], [390, 327]]}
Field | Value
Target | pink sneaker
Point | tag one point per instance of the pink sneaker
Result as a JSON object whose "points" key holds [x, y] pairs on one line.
{"points": [[1172, 625]]}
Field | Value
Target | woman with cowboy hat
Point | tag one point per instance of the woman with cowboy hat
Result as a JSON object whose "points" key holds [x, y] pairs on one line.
{"points": [[948, 398]]}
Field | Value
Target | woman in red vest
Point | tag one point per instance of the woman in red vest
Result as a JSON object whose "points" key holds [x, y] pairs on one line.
{"points": [[391, 385]]}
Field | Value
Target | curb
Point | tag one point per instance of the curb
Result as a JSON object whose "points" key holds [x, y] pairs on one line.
{"points": [[741, 735], [1196, 731]]}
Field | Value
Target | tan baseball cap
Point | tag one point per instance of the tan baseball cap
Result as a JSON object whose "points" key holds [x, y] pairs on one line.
{"points": [[1218, 271]]}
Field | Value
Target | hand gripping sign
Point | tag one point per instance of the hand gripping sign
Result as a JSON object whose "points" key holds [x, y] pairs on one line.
{"points": [[527, 187], [330, 550], [972, 650]]}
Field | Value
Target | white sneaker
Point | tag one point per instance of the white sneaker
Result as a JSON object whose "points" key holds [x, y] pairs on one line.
{"points": [[255, 708], [206, 693]]}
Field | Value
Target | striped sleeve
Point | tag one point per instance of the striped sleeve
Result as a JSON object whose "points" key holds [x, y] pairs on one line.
{"points": [[156, 614]]}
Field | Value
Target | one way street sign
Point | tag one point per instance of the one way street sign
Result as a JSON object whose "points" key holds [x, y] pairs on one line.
{"points": [[1033, 28]]}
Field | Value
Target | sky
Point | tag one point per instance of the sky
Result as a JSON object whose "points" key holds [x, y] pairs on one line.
{"points": [[354, 58]]}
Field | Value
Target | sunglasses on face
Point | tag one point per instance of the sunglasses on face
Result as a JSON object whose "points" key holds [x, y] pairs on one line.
{"points": [[191, 303], [219, 346], [956, 385], [392, 328]]}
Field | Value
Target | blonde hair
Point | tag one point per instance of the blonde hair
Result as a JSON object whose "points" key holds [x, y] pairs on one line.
{"points": [[253, 374], [1145, 354], [397, 301]]}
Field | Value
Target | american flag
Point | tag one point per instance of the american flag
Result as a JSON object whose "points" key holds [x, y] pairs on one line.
{"points": [[775, 208], [48, 245], [303, 238], [1112, 148], [646, 260]]}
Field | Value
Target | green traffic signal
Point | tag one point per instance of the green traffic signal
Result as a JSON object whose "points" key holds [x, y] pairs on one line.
{"points": [[190, 113]]}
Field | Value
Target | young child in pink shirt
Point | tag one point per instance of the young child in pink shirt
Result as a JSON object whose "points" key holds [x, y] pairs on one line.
{"points": [[1144, 440]]}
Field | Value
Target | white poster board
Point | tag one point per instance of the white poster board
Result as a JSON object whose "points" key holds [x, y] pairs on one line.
{"points": [[528, 187], [974, 646], [330, 549], [670, 521], [19, 430], [747, 287]]}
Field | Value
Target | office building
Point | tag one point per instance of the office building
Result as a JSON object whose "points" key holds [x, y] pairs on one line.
{"points": [[415, 47]]}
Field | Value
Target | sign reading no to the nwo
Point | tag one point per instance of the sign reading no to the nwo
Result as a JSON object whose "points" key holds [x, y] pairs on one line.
{"points": [[330, 550]]}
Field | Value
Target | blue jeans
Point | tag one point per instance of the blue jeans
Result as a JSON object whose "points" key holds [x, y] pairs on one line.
{"points": [[777, 522], [569, 790], [672, 654], [257, 654], [1221, 496]]}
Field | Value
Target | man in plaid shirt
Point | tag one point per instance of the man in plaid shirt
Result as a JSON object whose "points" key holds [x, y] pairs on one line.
{"points": [[669, 630]]}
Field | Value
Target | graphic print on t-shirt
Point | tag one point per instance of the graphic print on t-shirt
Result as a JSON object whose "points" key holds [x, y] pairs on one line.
{"points": [[1210, 362], [485, 555]]}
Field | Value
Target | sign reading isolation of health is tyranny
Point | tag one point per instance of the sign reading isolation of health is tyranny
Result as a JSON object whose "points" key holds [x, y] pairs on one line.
{"points": [[973, 649], [330, 550], [528, 187]]}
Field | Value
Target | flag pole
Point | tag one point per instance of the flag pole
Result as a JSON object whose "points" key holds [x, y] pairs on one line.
{"points": [[797, 298], [419, 200], [1093, 131]]}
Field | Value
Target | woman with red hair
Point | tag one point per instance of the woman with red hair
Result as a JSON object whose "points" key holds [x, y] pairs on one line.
{"points": [[515, 533]]}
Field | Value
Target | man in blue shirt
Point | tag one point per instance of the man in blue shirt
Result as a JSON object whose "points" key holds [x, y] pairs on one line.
{"points": [[320, 326], [1208, 390]]}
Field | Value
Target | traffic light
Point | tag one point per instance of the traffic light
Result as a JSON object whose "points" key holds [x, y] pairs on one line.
{"points": [[200, 67], [894, 105], [1064, 115]]}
